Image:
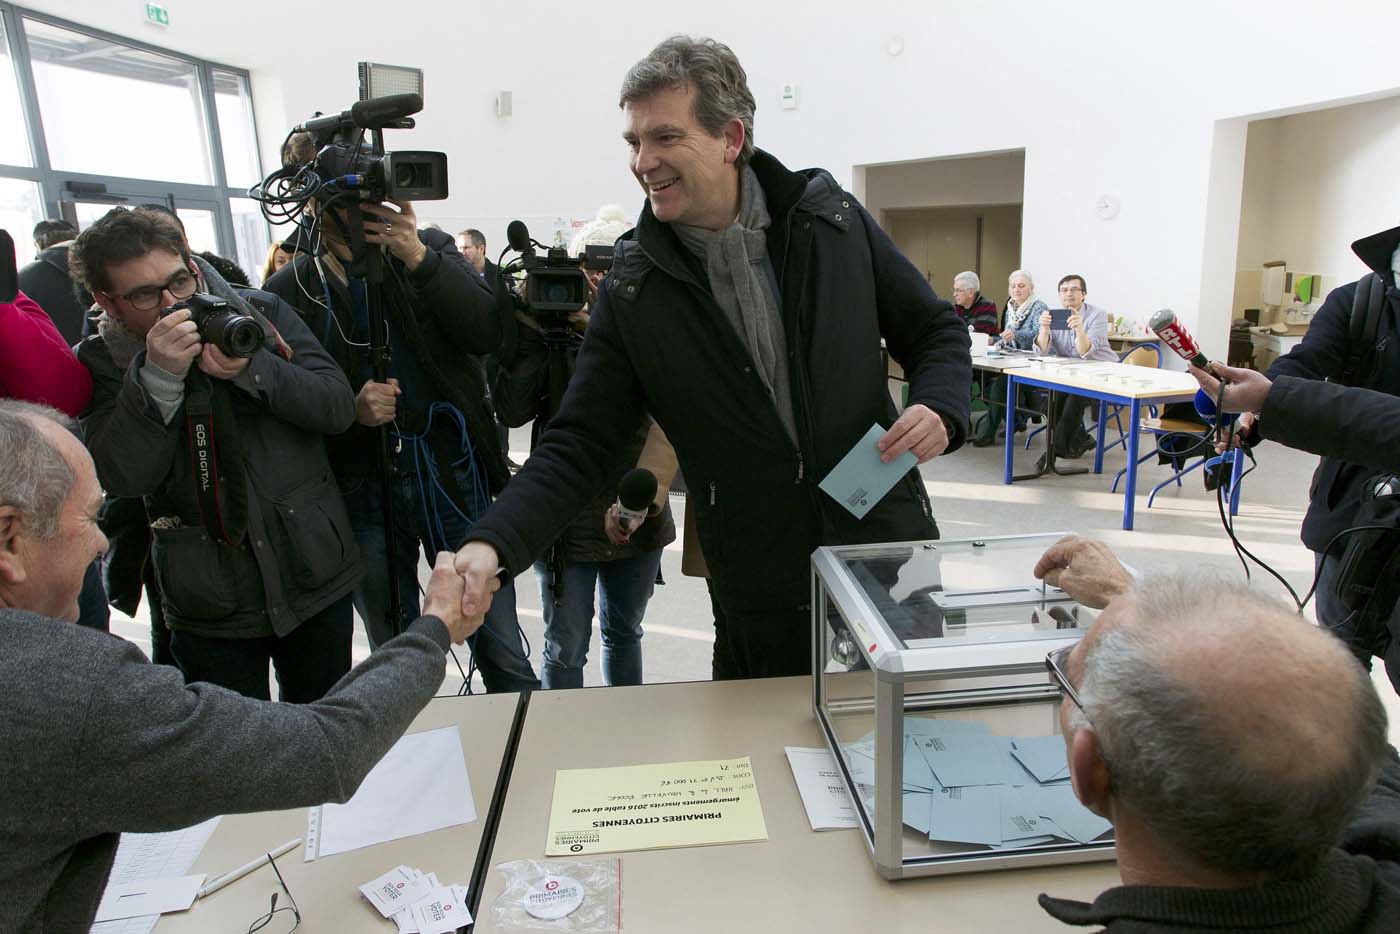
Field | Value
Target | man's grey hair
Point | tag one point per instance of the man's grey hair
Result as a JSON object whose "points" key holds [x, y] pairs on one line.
{"points": [[1229, 788], [34, 476], [967, 280], [721, 86], [1022, 274]]}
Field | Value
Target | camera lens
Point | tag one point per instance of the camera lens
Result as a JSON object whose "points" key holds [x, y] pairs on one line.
{"points": [[235, 335]]}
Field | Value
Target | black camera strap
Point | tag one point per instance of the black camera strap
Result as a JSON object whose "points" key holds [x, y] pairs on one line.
{"points": [[223, 501]]}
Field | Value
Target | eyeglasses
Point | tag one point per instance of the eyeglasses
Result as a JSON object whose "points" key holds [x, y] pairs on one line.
{"points": [[1066, 289], [1057, 661], [181, 285], [273, 911]]}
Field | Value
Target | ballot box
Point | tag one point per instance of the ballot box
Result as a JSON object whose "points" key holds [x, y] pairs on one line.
{"points": [[932, 689]]}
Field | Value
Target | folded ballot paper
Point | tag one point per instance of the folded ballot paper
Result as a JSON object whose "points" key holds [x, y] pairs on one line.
{"points": [[964, 785]]}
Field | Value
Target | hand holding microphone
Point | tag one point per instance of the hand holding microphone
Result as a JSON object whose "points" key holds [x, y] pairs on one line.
{"points": [[635, 494]]}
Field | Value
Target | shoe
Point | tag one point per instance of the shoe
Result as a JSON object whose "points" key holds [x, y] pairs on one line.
{"points": [[982, 441], [1020, 427]]}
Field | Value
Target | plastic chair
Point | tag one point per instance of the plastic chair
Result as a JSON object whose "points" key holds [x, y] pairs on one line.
{"points": [[1148, 355], [1165, 427]]}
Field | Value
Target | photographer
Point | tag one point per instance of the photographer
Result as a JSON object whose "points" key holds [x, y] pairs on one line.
{"points": [[253, 549], [594, 553], [447, 462]]}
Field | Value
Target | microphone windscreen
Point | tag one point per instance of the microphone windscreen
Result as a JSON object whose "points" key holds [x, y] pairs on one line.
{"points": [[518, 236], [377, 111], [637, 489]]}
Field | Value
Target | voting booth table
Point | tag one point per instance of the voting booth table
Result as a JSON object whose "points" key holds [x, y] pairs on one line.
{"points": [[927, 741]]}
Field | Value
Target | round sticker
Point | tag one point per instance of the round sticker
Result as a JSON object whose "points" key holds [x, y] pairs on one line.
{"points": [[554, 897]]}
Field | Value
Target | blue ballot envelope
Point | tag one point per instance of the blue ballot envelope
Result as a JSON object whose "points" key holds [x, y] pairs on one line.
{"points": [[861, 479]]}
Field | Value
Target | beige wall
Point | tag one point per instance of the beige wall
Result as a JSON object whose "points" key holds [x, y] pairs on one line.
{"points": [[942, 242]]}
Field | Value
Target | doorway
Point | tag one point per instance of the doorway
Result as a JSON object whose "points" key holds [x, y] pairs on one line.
{"points": [[942, 242]]}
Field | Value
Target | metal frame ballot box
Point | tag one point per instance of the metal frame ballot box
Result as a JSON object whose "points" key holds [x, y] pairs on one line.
{"points": [[931, 687]]}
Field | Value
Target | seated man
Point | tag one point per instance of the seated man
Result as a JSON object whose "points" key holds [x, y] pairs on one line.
{"points": [[90, 728], [1086, 339], [976, 310], [253, 550], [1236, 750]]}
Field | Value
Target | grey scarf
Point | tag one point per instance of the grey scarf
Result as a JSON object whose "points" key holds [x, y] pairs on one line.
{"points": [[736, 262], [1016, 314]]}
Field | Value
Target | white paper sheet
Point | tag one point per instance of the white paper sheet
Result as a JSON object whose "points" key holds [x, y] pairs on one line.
{"points": [[142, 856], [149, 897], [823, 792], [421, 785]]}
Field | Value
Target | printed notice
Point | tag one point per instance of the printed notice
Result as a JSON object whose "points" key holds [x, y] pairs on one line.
{"points": [[653, 807]]}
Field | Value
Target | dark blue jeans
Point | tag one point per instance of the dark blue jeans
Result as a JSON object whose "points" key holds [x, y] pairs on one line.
{"points": [[497, 646], [308, 661], [623, 588]]}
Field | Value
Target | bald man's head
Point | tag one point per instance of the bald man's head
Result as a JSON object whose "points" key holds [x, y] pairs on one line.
{"points": [[1241, 735]]}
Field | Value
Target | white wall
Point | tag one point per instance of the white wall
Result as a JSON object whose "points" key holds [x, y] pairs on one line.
{"points": [[1313, 183], [989, 179], [1104, 97]]}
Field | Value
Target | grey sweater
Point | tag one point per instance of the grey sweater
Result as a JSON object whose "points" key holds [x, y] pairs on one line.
{"points": [[98, 741]]}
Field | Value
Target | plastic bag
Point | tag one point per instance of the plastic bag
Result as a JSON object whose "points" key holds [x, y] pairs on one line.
{"points": [[582, 896]]}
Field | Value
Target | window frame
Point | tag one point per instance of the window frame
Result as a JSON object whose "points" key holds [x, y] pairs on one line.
{"points": [[55, 185]]}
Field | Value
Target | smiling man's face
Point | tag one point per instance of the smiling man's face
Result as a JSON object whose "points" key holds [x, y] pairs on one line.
{"points": [[689, 176]]}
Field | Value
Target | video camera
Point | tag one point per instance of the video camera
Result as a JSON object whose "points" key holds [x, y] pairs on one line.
{"points": [[235, 334], [555, 284], [345, 163]]}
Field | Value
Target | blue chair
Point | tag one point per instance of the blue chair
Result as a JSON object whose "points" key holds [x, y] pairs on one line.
{"points": [[1167, 427]]}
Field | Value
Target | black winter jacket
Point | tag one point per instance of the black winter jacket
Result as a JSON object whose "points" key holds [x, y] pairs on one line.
{"points": [[48, 282], [658, 342], [521, 392], [299, 554], [1322, 354], [448, 314]]}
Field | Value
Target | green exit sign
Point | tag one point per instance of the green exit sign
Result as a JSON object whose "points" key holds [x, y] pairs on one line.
{"points": [[157, 14]]}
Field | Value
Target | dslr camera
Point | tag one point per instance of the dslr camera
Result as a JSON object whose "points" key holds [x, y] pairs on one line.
{"points": [[219, 324]]}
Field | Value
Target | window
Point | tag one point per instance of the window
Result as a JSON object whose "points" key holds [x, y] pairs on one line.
{"points": [[14, 147], [185, 130], [92, 90]]}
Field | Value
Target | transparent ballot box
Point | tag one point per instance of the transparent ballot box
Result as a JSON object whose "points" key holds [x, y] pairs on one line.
{"points": [[932, 691]]}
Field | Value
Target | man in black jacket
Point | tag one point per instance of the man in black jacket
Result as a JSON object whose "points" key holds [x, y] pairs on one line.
{"points": [[745, 313], [253, 549], [1231, 811], [1336, 431], [447, 461], [48, 281]]}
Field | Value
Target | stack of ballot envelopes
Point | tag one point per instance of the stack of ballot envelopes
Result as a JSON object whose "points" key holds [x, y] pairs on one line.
{"points": [[964, 785]]}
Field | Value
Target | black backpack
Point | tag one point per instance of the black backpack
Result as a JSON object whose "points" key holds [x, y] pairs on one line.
{"points": [[1367, 309]]}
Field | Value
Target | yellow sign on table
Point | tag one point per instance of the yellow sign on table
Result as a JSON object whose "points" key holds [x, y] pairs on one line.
{"points": [[653, 807]]}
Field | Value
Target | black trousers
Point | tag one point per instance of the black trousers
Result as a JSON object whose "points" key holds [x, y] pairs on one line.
{"points": [[1070, 435], [760, 644], [308, 661]]}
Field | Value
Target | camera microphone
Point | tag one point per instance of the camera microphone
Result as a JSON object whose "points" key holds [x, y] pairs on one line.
{"points": [[635, 494], [518, 236], [1169, 328], [373, 114]]}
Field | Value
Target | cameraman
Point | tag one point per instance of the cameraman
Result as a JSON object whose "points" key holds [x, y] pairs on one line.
{"points": [[255, 563], [594, 553], [447, 458]]}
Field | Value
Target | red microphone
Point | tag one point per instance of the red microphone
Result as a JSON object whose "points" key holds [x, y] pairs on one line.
{"points": [[1165, 325]]}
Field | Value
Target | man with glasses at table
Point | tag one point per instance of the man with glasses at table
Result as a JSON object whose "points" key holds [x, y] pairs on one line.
{"points": [[252, 545], [1085, 339], [1239, 751]]}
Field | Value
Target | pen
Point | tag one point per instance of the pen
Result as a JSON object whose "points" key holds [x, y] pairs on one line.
{"points": [[248, 867]]}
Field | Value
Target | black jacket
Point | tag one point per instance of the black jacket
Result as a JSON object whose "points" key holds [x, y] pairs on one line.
{"points": [[448, 314], [658, 342], [299, 554], [1321, 354], [1356, 889], [521, 392], [48, 282]]}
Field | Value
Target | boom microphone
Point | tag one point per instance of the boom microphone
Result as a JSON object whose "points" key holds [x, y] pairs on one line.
{"points": [[1165, 325], [373, 114], [634, 497]]}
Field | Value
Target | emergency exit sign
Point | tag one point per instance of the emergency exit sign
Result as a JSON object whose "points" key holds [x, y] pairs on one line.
{"points": [[156, 14]]}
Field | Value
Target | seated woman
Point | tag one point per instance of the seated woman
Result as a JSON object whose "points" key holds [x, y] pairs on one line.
{"points": [[1019, 323]]}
